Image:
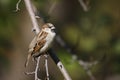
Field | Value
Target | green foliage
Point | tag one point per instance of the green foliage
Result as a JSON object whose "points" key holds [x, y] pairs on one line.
{"points": [[117, 47], [71, 33]]}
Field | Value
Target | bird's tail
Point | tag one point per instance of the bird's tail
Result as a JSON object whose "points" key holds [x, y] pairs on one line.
{"points": [[28, 59]]}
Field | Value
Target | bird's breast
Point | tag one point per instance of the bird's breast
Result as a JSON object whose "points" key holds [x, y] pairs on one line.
{"points": [[49, 40]]}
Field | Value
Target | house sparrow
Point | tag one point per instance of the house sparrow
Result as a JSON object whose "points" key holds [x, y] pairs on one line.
{"points": [[41, 43]]}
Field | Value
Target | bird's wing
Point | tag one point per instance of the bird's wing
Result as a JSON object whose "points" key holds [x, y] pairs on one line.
{"points": [[32, 44], [41, 35], [41, 40], [39, 45], [30, 51], [36, 44]]}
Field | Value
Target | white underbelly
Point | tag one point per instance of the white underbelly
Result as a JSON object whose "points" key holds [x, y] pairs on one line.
{"points": [[49, 40]]}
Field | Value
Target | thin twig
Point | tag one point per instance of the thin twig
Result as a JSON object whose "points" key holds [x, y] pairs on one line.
{"points": [[30, 73], [46, 66], [87, 66], [84, 6], [37, 68], [90, 75], [52, 7], [17, 6]]}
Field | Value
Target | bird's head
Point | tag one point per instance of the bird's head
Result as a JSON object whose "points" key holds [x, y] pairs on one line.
{"points": [[48, 27]]}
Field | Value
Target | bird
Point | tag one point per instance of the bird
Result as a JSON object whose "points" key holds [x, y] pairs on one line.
{"points": [[41, 42]]}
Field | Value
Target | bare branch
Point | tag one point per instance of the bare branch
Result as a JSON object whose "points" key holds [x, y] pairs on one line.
{"points": [[90, 75], [30, 73], [17, 6], [86, 66], [52, 7], [46, 66], [37, 68], [32, 16], [59, 64], [63, 70], [84, 6]]}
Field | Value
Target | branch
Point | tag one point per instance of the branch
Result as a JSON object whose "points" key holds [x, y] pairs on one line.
{"points": [[86, 66], [84, 6], [35, 28], [52, 7], [46, 66], [59, 64], [36, 70], [17, 6], [32, 16]]}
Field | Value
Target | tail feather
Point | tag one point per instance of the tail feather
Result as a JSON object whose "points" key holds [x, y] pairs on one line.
{"points": [[28, 59]]}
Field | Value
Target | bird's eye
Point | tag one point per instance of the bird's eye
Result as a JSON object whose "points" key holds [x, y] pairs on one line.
{"points": [[50, 27]]}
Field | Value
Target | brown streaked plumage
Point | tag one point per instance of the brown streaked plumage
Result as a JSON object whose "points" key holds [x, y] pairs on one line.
{"points": [[41, 42]]}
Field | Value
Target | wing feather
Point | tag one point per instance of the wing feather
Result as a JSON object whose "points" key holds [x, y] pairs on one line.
{"points": [[36, 44], [41, 40]]}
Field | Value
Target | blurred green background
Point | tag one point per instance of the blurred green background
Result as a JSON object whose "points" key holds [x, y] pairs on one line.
{"points": [[93, 35]]}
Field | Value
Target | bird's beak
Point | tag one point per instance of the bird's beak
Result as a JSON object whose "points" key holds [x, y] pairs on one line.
{"points": [[53, 27]]}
